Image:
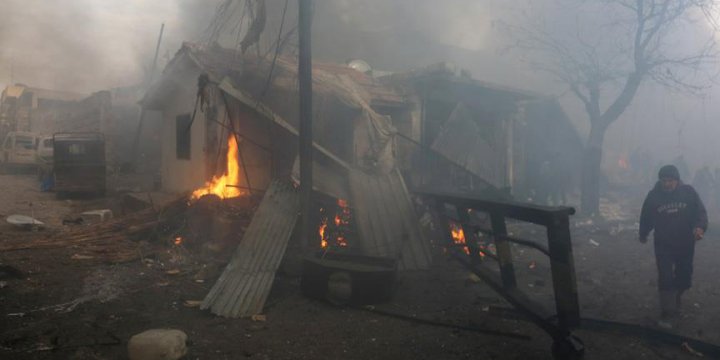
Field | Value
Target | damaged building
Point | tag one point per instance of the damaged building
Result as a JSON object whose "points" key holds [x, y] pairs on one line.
{"points": [[467, 135], [231, 129], [112, 113], [25, 108]]}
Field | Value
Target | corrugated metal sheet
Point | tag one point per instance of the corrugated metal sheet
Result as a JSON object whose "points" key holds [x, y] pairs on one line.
{"points": [[328, 179], [386, 219], [245, 284]]}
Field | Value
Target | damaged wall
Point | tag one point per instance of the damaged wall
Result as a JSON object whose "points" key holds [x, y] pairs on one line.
{"points": [[187, 171]]}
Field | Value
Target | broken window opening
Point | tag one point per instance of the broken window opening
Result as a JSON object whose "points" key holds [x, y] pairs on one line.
{"points": [[182, 136]]}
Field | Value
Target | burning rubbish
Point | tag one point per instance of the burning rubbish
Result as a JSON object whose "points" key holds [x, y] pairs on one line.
{"points": [[458, 236], [335, 233], [225, 186]]}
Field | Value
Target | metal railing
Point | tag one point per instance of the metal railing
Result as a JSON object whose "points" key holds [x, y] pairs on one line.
{"points": [[558, 324]]}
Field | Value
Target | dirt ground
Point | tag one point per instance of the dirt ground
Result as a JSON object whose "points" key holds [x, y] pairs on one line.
{"points": [[68, 308]]}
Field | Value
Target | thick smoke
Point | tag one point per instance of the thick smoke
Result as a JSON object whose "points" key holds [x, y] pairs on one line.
{"points": [[88, 45]]}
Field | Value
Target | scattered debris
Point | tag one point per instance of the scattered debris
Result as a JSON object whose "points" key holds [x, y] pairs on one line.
{"points": [[595, 243], [3, 284], [473, 278], [492, 249], [111, 241], [158, 344], [207, 271], [532, 265], [96, 216], [192, 303], [81, 257], [72, 221], [24, 222], [258, 317], [101, 285], [173, 272], [686, 347]]}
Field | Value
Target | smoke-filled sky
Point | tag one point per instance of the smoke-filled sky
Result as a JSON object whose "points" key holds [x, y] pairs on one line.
{"points": [[90, 45]]}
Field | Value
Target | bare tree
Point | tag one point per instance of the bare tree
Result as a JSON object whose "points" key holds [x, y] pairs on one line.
{"points": [[604, 50]]}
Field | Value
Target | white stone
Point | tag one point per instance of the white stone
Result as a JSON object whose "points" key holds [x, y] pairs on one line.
{"points": [[157, 344]]}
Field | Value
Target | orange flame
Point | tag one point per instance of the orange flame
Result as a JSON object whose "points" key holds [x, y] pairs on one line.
{"points": [[340, 222], [342, 219], [321, 231], [178, 240], [458, 236], [223, 186]]}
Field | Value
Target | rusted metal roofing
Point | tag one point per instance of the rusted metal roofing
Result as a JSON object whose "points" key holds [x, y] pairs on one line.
{"points": [[386, 219], [220, 62], [244, 286], [376, 91], [448, 72]]}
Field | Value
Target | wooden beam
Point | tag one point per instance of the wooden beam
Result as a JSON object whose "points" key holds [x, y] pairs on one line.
{"points": [[265, 112]]}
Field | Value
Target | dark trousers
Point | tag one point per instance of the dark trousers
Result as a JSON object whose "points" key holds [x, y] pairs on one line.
{"points": [[675, 266]]}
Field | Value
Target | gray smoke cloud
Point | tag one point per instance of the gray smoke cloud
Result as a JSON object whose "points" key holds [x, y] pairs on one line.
{"points": [[88, 45]]}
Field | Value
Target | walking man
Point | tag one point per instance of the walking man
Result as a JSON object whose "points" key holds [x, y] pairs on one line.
{"points": [[676, 213]]}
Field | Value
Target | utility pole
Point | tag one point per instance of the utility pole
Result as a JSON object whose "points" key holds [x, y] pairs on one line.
{"points": [[157, 51], [148, 82], [306, 147]]}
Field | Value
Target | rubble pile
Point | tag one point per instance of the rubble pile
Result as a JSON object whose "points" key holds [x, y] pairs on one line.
{"points": [[113, 241]]}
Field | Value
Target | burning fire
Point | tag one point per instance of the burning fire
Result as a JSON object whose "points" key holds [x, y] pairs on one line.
{"points": [[458, 236], [321, 231], [223, 186], [178, 241], [340, 222]]}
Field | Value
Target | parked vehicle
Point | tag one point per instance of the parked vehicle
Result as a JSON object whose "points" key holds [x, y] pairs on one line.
{"points": [[79, 163], [18, 151]]}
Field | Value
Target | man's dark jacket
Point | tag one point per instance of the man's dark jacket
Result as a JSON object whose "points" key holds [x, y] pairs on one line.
{"points": [[673, 215]]}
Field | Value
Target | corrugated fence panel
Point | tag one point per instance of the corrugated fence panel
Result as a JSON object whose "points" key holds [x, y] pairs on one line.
{"points": [[386, 219], [245, 284]]}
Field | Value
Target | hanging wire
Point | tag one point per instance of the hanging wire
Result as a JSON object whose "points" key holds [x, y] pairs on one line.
{"points": [[277, 52]]}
